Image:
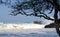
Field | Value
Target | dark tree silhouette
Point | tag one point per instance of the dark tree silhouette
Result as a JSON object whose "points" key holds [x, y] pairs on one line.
{"points": [[39, 8], [52, 25]]}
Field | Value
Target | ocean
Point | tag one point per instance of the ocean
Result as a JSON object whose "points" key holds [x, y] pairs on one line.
{"points": [[10, 30]]}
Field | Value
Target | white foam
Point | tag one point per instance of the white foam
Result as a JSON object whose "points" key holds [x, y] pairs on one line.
{"points": [[21, 26]]}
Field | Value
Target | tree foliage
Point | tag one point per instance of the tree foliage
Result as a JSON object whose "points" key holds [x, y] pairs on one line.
{"points": [[38, 6]]}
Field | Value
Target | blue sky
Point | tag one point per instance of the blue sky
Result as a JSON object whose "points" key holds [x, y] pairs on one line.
{"points": [[6, 18]]}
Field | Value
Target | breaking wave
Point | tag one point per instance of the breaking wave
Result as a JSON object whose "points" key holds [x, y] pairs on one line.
{"points": [[21, 26]]}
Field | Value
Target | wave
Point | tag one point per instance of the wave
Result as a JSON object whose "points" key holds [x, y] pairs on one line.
{"points": [[21, 26]]}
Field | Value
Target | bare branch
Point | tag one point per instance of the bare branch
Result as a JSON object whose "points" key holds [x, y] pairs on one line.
{"points": [[48, 18], [32, 5], [51, 10], [26, 13], [35, 14], [45, 16], [50, 2]]}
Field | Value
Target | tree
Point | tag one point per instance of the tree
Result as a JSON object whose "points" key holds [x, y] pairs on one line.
{"points": [[52, 25], [39, 8]]}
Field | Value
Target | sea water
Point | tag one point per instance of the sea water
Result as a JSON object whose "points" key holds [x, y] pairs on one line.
{"points": [[21, 31]]}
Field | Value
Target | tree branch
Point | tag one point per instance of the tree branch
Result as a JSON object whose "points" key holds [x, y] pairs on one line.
{"points": [[51, 10], [48, 18], [26, 13], [44, 15], [50, 2]]}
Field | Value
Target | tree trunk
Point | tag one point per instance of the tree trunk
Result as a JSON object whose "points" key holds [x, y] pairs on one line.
{"points": [[58, 31], [56, 17], [56, 22]]}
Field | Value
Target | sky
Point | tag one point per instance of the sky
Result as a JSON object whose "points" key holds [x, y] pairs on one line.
{"points": [[6, 18]]}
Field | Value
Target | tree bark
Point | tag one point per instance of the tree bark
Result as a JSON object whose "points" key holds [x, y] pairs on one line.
{"points": [[56, 22], [56, 17]]}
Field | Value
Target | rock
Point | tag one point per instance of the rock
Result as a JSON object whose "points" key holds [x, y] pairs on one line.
{"points": [[50, 25]]}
